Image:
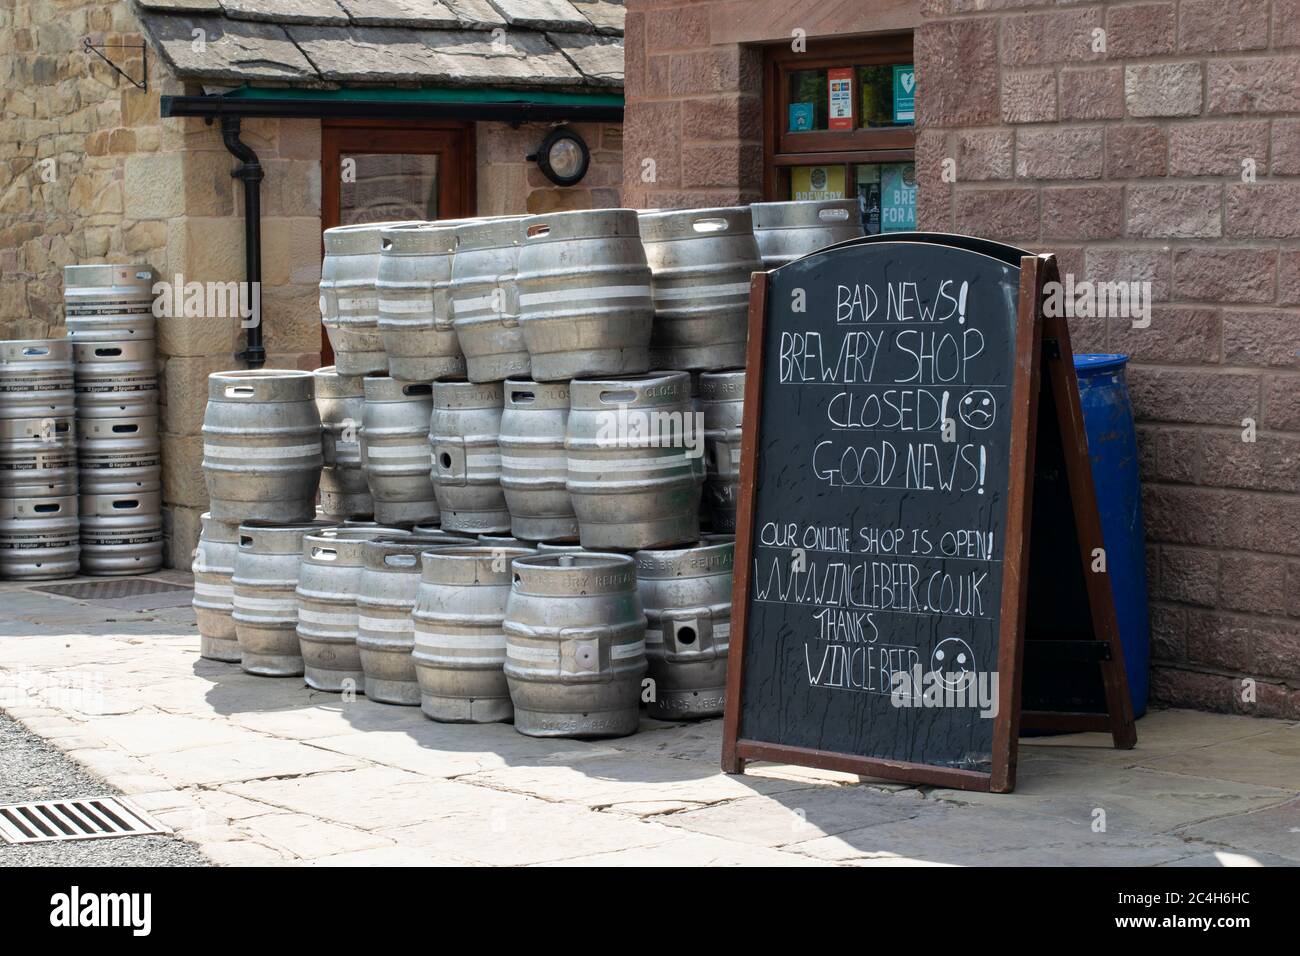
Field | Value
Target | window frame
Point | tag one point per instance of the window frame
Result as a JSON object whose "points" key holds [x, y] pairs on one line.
{"points": [[783, 149]]}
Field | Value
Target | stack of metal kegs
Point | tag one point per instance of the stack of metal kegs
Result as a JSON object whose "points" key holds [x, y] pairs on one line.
{"points": [[109, 314], [528, 453], [38, 461]]}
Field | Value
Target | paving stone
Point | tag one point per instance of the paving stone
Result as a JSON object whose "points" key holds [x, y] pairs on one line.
{"points": [[1269, 759], [693, 850], [1225, 858], [955, 835], [224, 763], [1275, 830], [242, 853], [624, 778], [153, 733], [391, 855], [307, 838], [798, 816], [368, 798]]}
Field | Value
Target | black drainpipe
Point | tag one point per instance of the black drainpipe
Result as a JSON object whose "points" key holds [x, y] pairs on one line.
{"points": [[250, 172]]}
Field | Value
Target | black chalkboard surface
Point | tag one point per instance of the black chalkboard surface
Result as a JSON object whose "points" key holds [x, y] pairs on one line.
{"points": [[880, 598]]}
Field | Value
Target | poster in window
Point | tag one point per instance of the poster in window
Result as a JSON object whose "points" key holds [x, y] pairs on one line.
{"points": [[897, 197], [905, 93], [840, 87], [801, 117], [817, 182]]}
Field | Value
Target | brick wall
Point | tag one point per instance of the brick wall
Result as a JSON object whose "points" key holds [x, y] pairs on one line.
{"points": [[1127, 163]]}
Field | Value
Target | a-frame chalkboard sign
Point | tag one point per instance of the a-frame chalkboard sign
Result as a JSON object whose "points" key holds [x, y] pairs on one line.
{"points": [[916, 551]]}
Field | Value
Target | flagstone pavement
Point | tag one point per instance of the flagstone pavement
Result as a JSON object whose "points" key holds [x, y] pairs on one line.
{"points": [[266, 771]]}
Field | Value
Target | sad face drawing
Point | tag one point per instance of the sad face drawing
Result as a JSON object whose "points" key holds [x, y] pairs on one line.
{"points": [[978, 409]]}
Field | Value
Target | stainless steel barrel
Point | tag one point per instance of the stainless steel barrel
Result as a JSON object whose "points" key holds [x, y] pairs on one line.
{"points": [[460, 647], [38, 538], [414, 292], [38, 458], [785, 231], [463, 433], [116, 379], [262, 445], [701, 261], [36, 379], [722, 396], [119, 455], [584, 294], [214, 592], [121, 534], [575, 645], [341, 401], [395, 450], [635, 461], [485, 299], [265, 598], [109, 303], [349, 302], [686, 595], [328, 579], [533, 460], [386, 593]]}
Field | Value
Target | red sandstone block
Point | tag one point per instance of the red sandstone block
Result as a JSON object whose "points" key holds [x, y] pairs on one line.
{"points": [[1059, 152], [1262, 209], [726, 165], [1184, 211], [1253, 582], [1082, 212], [1214, 640], [1217, 148], [1256, 85], [677, 28], [1281, 402], [983, 154], [1177, 335], [1222, 518], [1286, 23], [1135, 150], [1224, 274], [958, 59], [1262, 339], [1010, 213], [1188, 575], [1131, 264], [1168, 633], [1092, 93], [1194, 396], [1175, 687], [731, 116], [1029, 96], [1064, 36], [1208, 26], [1145, 29], [1284, 157]]}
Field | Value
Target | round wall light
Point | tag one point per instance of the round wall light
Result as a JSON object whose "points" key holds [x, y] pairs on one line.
{"points": [[563, 157]]}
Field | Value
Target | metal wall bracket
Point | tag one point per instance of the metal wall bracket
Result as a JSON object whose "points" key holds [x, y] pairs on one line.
{"points": [[98, 50]]}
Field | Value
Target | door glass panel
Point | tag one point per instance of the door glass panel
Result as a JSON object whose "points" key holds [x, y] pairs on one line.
{"points": [[818, 182], [846, 98], [888, 195], [380, 187], [808, 101]]}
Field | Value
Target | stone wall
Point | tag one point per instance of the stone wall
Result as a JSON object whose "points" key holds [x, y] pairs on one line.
{"points": [[127, 186], [1158, 142], [509, 184]]}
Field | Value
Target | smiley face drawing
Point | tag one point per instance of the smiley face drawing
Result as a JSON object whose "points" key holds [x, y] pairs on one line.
{"points": [[978, 409], [954, 663]]}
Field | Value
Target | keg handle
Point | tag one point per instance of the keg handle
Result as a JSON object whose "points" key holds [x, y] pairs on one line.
{"points": [[416, 388], [324, 554], [522, 397], [240, 391], [620, 396], [400, 560], [107, 351], [539, 231], [126, 504], [833, 215], [128, 429], [712, 224], [36, 350]]}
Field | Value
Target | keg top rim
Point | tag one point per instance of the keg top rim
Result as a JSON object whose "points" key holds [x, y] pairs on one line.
{"points": [[262, 373], [467, 552], [566, 560]]}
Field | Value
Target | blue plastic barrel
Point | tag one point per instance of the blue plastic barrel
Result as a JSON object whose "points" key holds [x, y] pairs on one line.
{"points": [[1112, 447]]}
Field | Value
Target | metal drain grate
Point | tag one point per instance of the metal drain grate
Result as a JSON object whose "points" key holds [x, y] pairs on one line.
{"points": [[112, 590], [81, 818]]}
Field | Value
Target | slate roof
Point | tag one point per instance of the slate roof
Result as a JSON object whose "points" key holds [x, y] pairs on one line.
{"points": [[529, 44]]}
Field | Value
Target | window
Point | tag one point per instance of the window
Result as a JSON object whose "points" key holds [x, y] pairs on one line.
{"points": [[839, 124]]}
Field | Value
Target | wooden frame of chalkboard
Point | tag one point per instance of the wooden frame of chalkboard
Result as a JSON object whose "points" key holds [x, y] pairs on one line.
{"points": [[1041, 346]]}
